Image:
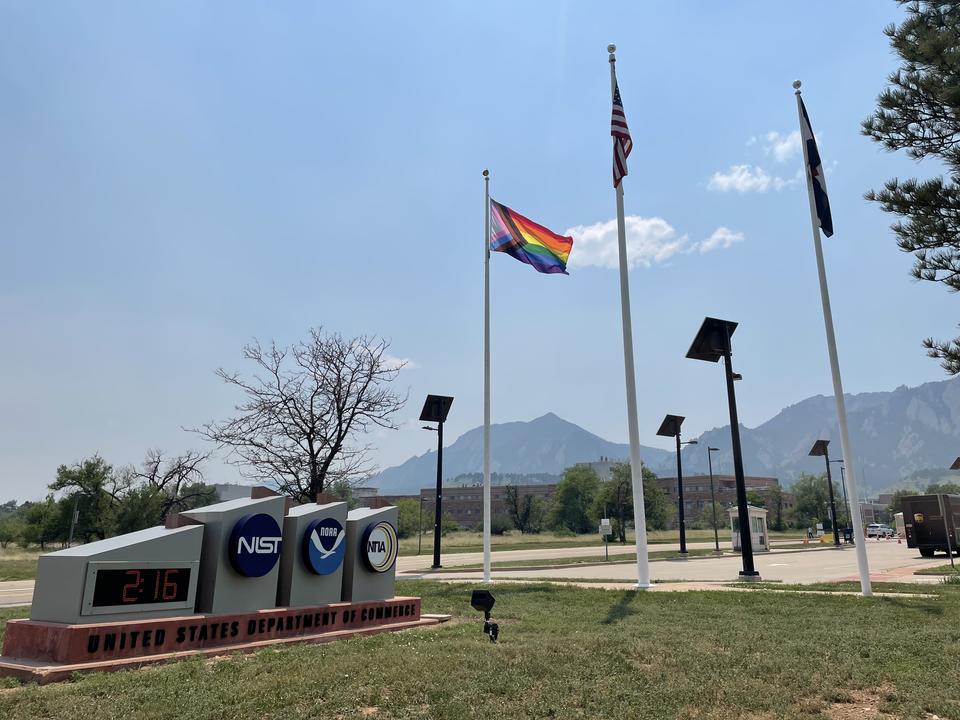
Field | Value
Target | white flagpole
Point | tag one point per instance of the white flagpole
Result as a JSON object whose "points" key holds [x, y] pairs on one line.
{"points": [[636, 469], [848, 462], [486, 377]]}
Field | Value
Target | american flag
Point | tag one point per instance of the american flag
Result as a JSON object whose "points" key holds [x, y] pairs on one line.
{"points": [[622, 144]]}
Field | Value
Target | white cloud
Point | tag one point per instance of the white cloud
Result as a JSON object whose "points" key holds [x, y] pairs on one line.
{"points": [[649, 241], [782, 147], [752, 140], [392, 362], [744, 179], [720, 238]]}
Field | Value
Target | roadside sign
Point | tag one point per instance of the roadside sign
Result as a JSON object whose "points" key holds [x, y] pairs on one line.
{"points": [[605, 528]]}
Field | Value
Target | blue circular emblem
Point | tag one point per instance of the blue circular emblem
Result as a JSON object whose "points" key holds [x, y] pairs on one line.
{"points": [[324, 546], [255, 545]]}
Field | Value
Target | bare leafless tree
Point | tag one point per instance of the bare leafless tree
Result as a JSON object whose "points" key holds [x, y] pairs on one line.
{"points": [[177, 479], [305, 408]]}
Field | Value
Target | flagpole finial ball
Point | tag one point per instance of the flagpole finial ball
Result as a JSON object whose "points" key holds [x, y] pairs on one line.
{"points": [[611, 48], [486, 173], [796, 84]]}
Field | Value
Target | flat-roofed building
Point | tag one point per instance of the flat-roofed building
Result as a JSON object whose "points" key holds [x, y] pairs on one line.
{"points": [[696, 492], [465, 504]]}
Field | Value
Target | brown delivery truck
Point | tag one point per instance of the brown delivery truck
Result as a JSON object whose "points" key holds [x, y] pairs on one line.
{"points": [[931, 522]]}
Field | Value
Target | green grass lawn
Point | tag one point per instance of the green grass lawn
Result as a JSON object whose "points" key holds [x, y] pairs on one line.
{"points": [[569, 653], [946, 569], [18, 564]]}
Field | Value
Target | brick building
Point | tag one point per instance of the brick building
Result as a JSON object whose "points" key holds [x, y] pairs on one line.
{"points": [[696, 492], [465, 504]]}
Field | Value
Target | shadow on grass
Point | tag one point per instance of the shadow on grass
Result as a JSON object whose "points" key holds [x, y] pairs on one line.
{"points": [[621, 608]]}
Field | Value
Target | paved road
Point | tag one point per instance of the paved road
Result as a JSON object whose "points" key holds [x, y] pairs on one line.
{"points": [[406, 564], [16, 592], [889, 561]]}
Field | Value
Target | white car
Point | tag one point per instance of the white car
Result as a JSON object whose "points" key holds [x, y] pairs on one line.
{"points": [[876, 530]]}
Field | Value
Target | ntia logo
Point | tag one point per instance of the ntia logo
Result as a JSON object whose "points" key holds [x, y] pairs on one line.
{"points": [[380, 546], [255, 545]]}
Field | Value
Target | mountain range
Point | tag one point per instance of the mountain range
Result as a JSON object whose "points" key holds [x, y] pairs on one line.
{"points": [[904, 437]]}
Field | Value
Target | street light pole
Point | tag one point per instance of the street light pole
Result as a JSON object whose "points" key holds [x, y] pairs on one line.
{"points": [[746, 540], [437, 516], [713, 497], [435, 409], [820, 448], [712, 343], [846, 503], [420, 527], [74, 516], [683, 525], [671, 427]]}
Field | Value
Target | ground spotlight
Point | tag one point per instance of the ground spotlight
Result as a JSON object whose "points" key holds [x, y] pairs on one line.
{"points": [[483, 601]]}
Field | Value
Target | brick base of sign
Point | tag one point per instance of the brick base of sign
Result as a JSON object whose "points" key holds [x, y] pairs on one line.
{"points": [[46, 652]]}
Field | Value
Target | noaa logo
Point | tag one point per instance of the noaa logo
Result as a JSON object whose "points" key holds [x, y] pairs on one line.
{"points": [[255, 545], [380, 546], [324, 546]]}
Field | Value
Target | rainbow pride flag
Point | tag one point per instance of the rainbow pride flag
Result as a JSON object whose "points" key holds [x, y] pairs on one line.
{"points": [[528, 242]]}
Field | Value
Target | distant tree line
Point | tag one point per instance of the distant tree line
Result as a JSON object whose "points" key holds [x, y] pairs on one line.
{"points": [[107, 501]]}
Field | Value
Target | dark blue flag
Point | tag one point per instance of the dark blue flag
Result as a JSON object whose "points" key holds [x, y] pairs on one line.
{"points": [[815, 168]]}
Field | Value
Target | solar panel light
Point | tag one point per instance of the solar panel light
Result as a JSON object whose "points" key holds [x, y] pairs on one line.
{"points": [[483, 601], [436, 408]]}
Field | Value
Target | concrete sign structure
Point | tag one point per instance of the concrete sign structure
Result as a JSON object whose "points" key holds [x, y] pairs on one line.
{"points": [[210, 585], [369, 571], [239, 564], [147, 574], [314, 547]]}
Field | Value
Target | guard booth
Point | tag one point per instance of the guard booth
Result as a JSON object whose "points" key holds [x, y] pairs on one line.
{"points": [[758, 528]]}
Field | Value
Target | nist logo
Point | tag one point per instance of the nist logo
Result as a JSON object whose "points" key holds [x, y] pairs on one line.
{"points": [[259, 545], [255, 545]]}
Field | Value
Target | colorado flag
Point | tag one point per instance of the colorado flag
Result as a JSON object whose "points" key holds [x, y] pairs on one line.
{"points": [[815, 168]]}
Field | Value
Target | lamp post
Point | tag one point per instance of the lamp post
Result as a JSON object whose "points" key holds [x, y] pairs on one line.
{"points": [[74, 517], [670, 427], [820, 448], [712, 343], [846, 503], [420, 526], [435, 409], [713, 497]]}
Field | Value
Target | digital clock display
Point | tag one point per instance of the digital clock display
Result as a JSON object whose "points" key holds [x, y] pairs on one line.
{"points": [[141, 586]]}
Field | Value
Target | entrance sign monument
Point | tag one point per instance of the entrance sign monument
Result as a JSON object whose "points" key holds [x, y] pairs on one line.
{"points": [[314, 546], [234, 576]]}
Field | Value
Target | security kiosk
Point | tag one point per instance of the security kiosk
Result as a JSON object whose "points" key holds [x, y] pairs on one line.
{"points": [[369, 570], [239, 563], [311, 562], [758, 528], [152, 573]]}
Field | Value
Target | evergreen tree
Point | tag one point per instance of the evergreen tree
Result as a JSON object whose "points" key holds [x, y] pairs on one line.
{"points": [[920, 113]]}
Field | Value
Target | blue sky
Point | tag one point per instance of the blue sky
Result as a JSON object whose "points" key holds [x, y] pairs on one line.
{"points": [[176, 178]]}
